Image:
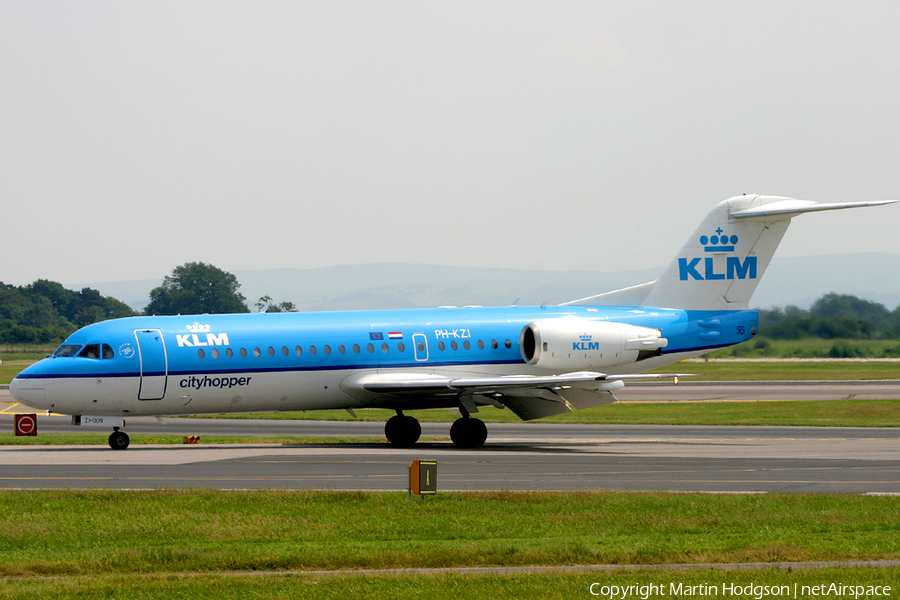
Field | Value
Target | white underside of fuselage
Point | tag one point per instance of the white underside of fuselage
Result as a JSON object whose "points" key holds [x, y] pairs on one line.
{"points": [[187, 394]]}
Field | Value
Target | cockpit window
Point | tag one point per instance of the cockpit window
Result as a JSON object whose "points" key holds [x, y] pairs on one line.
{"points": [[108, 351], [67, 350], [91, 351]]}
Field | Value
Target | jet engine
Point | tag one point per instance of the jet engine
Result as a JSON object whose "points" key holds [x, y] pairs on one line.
{"points": [[584, 345]]}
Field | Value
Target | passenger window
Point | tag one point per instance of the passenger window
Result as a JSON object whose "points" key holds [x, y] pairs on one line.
{"points": [[480, 345], [442, 346], [312, 350], [91, 351], [401, 347], [243, 353], [214, 352], [341, 348], [494, 344], [355, 348], [384, 347], [454, 345], [229, 352], [285, 351], [257, 352], [108, 352], [326, 349], [271, 351], [467, 345], [508, 344], [298, 351], [201, 353], [370, 348]]}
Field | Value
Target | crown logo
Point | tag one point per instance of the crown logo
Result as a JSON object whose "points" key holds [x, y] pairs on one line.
{"points": [[198, 328], [719, 242], [585, 337]]}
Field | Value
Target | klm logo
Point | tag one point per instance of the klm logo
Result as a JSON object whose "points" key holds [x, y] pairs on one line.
{"points": [[719, 243], [586, 343], [200, 336], [734, 269]]}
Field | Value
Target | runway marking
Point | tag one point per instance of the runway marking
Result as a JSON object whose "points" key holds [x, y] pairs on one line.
{"points": [[11, 410]]}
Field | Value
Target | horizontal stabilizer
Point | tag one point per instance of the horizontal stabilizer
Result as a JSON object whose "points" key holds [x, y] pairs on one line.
{"points": [[788, 208]]}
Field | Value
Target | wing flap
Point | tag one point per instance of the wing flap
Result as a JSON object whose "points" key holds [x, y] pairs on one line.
{"points": [[528, 396]]}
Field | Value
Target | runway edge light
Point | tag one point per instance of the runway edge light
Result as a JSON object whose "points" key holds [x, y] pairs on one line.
{"points": [[422, 479]]}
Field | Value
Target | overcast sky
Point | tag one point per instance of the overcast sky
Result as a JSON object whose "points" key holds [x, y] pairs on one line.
{"points": [[137, 136]]}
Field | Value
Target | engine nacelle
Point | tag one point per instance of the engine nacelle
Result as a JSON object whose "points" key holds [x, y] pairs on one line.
{"points": [[576, 344]]}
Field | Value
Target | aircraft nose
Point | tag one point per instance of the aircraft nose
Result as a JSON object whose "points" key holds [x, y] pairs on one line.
{"points": [[32, 392]]}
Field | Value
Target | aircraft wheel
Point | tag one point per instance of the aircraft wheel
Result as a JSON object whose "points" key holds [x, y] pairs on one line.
{"points": [[118, 440], [468, 433], [402, 431]]}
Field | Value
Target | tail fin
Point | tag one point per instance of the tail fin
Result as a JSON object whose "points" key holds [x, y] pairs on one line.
{"points": [[721, 264]]}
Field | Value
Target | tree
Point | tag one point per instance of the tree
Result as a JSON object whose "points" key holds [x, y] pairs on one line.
{"points": [[274, 308], [45, 311], [197, 288], [838, 306]]}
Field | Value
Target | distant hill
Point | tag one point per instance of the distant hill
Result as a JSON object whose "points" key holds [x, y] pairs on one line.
{"points": [[798, 281]]}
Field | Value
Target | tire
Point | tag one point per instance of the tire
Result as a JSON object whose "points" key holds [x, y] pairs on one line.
{"points": [[468, 433], [402, 431], [118, 440]]}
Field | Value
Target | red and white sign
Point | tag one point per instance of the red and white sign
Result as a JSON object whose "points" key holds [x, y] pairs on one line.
{"points": [[26, 424]]}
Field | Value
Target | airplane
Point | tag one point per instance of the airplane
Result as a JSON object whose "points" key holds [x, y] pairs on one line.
{"points": [[536, 361]]}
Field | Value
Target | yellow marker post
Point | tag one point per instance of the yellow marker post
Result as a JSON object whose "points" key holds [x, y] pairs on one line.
{"points": [[422, 478]]}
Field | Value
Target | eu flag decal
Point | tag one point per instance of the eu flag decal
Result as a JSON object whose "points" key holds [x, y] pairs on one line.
{"points": [[376, 335]]}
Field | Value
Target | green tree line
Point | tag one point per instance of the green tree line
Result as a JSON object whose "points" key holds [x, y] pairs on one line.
{"points": [[45, 312], [833, 316]]}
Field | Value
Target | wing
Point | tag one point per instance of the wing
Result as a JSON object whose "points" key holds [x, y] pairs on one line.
{"points": [[528, 396]]}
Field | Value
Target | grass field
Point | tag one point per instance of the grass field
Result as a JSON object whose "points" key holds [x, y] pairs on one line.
{"points": [[554, 586], [80, 532], [786, 371], [155, 544], [812, 348], [835, 413]]}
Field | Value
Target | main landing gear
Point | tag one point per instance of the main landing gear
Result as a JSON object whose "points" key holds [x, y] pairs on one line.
{"points": [[118, 440], [468, 432], [404, 432]]}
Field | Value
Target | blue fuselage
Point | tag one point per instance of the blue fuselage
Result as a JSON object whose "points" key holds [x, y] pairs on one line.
{"points": [[298, 361]]}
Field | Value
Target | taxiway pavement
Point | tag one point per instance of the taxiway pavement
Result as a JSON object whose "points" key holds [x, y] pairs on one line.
{"points": [[517, 456]]}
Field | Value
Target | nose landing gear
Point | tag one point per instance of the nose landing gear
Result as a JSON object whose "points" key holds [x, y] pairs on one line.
{"points": [[118, 440]]}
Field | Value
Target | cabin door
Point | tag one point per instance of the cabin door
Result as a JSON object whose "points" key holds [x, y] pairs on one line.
{"points": [[421, 345], [154, 369]]}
